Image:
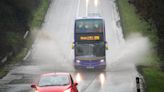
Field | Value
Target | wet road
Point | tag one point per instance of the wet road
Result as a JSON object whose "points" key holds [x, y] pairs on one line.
{"points": [[51, 51]]}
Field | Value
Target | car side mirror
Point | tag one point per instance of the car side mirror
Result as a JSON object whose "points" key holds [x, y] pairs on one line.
{"points": [[33, 86], [75, 83]]}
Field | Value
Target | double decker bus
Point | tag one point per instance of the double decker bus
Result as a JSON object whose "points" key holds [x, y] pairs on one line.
{"points": [[89, 43]]}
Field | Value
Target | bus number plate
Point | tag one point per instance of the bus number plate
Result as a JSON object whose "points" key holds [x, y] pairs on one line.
{"points": [[90, 67]]}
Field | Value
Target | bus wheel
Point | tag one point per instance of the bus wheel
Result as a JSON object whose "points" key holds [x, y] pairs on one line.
{"points": [[103, 68]]}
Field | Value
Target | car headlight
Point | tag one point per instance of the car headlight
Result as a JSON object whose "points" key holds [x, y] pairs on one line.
{"points": [[68, 90], [102, 60], [78, 61]]}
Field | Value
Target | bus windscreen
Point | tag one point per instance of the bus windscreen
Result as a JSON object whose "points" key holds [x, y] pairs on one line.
{"points": [[89, 25], [95, 50]]}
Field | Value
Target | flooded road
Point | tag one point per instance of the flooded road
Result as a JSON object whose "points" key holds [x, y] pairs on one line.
{"points": [[52, 52]]}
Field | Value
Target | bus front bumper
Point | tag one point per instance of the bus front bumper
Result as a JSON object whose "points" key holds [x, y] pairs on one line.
{"points": [[90, 64]]}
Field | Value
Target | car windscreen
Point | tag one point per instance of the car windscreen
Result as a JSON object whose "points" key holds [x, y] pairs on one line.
{"points": [[93, 50], [54, 80], [89, 25]]}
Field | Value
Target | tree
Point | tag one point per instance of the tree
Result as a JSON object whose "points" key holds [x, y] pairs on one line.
{"points": [[15, 16], [153, 12]]}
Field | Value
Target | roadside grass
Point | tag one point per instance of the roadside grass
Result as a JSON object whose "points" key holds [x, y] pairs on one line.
{"points": [[3, 72], [154, 79], [13, 60], [131, 23], [39, 14], [38, 17]]}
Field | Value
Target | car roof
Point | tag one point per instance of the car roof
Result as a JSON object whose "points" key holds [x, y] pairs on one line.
{"points": [[57, 73]]}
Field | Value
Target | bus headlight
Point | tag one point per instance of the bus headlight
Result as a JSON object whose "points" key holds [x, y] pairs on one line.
{"points": [[102, 60], [78, 61]]}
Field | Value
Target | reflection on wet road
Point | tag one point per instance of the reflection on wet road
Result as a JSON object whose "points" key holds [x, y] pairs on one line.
{"points": [[51, 51]]}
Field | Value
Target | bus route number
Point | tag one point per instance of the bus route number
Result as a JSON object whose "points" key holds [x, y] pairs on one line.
{"points": [[90, 38]]}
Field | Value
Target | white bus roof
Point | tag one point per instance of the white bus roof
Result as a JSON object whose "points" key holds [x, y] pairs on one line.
{"points": [[79, 18]]}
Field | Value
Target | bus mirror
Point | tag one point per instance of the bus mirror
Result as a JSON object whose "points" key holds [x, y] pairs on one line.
{"points": [[73, 46], [106, 47]]}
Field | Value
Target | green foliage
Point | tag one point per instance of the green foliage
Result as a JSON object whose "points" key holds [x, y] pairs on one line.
{"points": [[153, 12], [13, 24], [2, 72], [154, 79], [132, 22], [39, 14], [14, 39], [15, 19]]}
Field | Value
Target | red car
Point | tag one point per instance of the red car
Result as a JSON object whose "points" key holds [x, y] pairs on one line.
{"points": [[55, 82]]}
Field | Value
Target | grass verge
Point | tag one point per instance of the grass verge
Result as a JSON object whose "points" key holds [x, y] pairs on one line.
{"points": [[131, 23], [38, 17], [154, 79], [11, 61], [39, 14]]}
